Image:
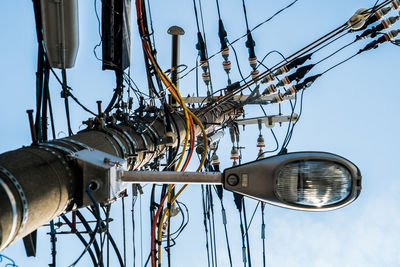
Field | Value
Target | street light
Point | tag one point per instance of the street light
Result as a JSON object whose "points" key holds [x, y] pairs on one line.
{"points": [[312, 181]]}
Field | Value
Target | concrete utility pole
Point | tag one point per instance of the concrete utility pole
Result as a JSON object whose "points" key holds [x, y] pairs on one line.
{"points": [[39, 182]]}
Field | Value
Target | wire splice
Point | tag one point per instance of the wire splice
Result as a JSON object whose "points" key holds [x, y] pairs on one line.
{"points": [[294, 64], [387, 37], [372, 33]]}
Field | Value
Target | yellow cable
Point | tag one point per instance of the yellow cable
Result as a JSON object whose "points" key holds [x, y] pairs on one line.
{"points": [[176, 94], [167, 82]]}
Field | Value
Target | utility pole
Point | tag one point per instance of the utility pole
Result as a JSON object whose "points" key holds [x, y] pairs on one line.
{"points": [[40, 182]]}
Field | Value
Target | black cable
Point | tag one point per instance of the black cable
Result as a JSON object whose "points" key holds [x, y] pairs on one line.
{"points": [[245, 15], [96, 229], [263, 231], [99, 29], [123, 228], [117, 92], [269, 19], [334, 53], [53, 131], [134, 198], [184, 223], [284, 143], [66, 103], [89, 230], [12, 264], [224, 222], [328, 43], [70, 94], [252, 217], [151, 23], [276, 147], [340, 63], [112, 241], [212, 222], [247, 236], [92, 256], [205, 223], [219, 13], [239, 205], [45, 100], [210, 86], [107, 212], [294, 124], [237, 39], [196, 16]]}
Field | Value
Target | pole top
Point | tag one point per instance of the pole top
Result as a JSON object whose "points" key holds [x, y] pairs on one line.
{"points": [[176, 30]]}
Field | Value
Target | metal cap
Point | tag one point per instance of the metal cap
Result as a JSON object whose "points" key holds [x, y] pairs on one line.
{"points": [[176, 30]]}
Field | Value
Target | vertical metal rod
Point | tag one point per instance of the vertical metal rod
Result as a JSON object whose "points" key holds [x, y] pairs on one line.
{"points": [[175, 32], [32, 126], [99, 108]]}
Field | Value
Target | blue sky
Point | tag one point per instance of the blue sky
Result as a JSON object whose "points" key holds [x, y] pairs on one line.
{"points": [[350, 111]]}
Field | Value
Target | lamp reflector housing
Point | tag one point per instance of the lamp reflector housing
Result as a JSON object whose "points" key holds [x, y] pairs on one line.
{"points": [[313, 183]]}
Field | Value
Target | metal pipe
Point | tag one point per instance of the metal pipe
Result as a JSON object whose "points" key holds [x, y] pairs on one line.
{"points": [[175, 32], [40, 182], [168, 177]]}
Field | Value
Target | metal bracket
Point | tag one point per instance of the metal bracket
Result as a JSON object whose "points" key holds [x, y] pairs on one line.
{"points": [[269, 121], [101, 169]]}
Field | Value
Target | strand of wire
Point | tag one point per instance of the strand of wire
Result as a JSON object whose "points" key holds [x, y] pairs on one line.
{"points": [[243, 36]]}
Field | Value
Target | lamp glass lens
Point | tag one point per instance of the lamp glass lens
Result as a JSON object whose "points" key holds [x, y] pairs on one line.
{"points": [[313, 183]]}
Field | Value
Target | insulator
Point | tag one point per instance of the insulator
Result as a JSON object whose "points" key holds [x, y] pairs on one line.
{"points": [[269, 90], [281, 70], [206, 77], [234, 153], [396, 4], [225, 53], [277, 99], [254, 74], [213, 146], [215, 137], [269, 78], [291, 91], [253, 62], [260, 141], [387, 23], [215, 160], [392, 34], [227, 66], [283, 82], [382, 12], [204, 65]]}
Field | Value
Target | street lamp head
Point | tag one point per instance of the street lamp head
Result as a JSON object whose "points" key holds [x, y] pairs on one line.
{"points": [[312, 181]]}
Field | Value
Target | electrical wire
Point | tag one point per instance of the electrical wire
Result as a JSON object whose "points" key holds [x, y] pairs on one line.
{"points": [[80, 237], [12, 264], [97, 227], [68, 90], [89, 230], [175, 93], [205, 223], [263, 231], [243, 36]]}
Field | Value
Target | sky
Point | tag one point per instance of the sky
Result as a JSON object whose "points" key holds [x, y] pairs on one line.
{"points": [[350, 111]]}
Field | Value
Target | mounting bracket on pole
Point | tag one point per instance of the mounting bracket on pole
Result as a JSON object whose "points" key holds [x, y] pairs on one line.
{"points": [[101, 169]]}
